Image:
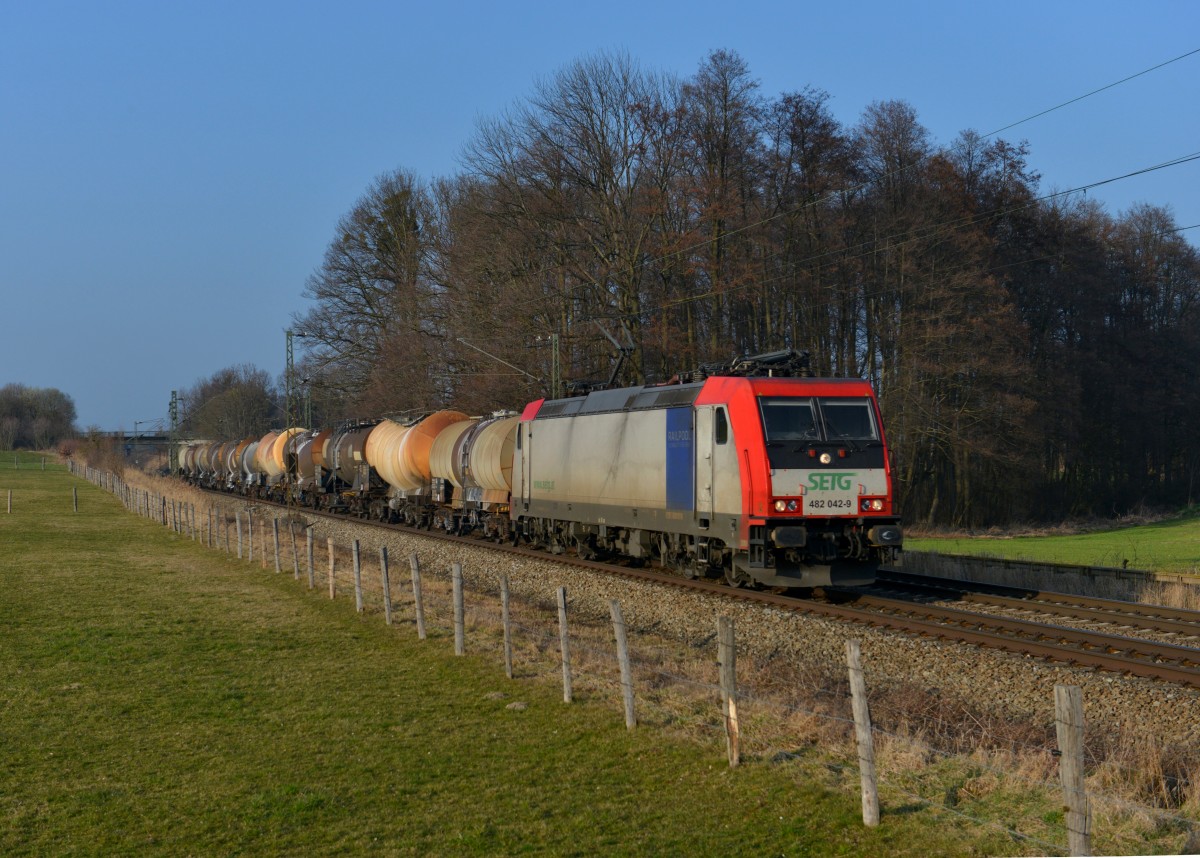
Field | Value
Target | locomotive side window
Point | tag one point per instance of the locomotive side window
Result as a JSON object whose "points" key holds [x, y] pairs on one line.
{"points": [[720, 427], [788, 419], [848, 419]]}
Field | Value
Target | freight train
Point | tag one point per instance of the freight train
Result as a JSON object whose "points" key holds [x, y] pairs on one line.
{"points": [[754, 472]]}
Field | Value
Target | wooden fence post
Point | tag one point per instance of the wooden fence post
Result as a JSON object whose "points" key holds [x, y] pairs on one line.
{"points": [[249, 537], [862, 732], [564, 643], [275, 530], [618, 618], [262, 549], [387, 585], [727, 664], [358, 593], [75, 497], [418, 602], [456, 580], [507, 623], [237, 515], [225, 523], [308, 540], [295, 553], [1068, 723], [329, 543]]}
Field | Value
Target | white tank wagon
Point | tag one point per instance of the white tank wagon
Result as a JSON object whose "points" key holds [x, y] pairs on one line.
{"points": [[250, 475], [472, 475], [447, 462], [262, 457]]}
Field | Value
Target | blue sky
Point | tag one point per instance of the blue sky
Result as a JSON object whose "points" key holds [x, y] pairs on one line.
{"points": [[171, 173]]}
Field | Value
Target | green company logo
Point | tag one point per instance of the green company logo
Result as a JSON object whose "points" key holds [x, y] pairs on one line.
{"points": [[833, 481], [543, 484]]}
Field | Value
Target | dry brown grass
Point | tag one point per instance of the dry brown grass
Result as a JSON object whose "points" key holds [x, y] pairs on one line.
{"points": [[1170, 594]]}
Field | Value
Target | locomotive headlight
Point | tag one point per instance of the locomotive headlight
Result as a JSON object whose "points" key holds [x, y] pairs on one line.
{"points": [[826, 458], [791, 506], [780, 506], [872, 505]]}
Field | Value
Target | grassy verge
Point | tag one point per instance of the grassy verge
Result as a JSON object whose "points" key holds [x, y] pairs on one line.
{"points": [[1165, 546], [159, 698]]}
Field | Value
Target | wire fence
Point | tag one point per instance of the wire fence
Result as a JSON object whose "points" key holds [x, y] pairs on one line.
{"points": [[11, 460], [1049, 791]]}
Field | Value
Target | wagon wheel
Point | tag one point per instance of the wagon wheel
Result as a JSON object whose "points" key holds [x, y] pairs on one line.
{"points": [[735, 577]]}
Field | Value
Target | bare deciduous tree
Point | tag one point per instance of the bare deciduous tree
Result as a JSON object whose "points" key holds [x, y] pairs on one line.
{"points": [[373, 303], [235, 402]]}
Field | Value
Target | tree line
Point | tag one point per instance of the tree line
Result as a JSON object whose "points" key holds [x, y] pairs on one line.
{"points": [[236, 402], [34, 417], [1034, 354]]}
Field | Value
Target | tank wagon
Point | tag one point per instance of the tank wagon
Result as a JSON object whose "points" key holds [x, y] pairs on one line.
{"points": [[755, 473]]}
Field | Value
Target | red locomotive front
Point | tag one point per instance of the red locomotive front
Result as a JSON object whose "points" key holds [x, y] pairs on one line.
{"points": [[778, 482]]}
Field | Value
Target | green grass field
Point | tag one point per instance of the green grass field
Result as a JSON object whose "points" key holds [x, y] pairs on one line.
{"points": [[159, 698], [1166, 546]]}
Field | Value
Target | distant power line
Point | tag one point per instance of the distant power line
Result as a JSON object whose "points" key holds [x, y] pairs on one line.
{"points": [[1093, 92]]}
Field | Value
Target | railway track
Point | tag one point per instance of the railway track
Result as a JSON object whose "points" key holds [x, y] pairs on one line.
{"points": [[911, 604], [1173, 625]]}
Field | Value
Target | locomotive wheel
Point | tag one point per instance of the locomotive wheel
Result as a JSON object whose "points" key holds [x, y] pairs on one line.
{"points": [[583, 549], [688, 568]]}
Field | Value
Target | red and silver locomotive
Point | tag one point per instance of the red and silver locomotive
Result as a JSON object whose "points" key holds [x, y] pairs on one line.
{"points": [[773, 481]]}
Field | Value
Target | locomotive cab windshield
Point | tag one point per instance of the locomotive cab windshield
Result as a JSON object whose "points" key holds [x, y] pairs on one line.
{"points": [[793, 426]]}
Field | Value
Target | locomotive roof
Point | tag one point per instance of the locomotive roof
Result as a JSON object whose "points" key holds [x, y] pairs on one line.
{"points": [[623, 399], [651, 396]]}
